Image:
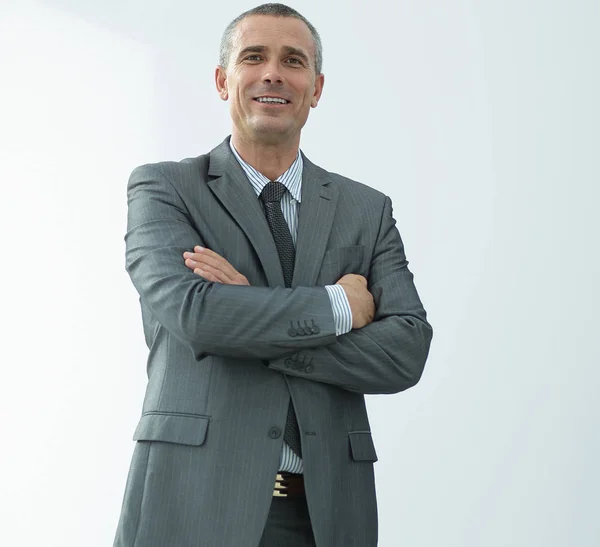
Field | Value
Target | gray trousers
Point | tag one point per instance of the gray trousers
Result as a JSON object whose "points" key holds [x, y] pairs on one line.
{"points": [[288, 524]]}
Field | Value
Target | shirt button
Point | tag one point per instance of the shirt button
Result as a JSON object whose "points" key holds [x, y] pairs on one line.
{"points": [[274, 433]]}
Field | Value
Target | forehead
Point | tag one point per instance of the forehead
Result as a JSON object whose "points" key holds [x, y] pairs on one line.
{"points": [[273, 32]]}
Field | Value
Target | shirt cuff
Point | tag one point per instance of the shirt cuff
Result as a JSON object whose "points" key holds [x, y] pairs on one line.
{"points": [[342, 314]]}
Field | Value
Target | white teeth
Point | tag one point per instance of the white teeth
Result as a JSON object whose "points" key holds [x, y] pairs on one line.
{"points": [[271, 100]]}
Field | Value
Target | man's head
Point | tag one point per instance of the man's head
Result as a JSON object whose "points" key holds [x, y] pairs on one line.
{"points": [[270, 52]]}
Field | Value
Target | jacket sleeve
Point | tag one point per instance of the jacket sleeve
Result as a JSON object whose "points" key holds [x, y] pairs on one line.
{"points": [[211, 318], [389, 354]]}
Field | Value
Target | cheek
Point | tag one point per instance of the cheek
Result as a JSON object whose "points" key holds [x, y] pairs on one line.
{"points": [[238, 101], [308, 93], [307, 100]]}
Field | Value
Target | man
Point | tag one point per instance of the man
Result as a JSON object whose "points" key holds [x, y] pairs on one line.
{"points": [[274, 295]]}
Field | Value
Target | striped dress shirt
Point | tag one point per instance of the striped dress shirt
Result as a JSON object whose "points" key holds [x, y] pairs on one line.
{"points": [[292, 180]]}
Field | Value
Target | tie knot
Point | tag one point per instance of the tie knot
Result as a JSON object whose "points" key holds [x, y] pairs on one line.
{"points": [[273, 191]]}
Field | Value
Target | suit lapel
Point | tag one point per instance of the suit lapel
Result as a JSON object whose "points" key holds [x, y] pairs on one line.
{"points": [[315, 216], [315, 219], [234, 191]]}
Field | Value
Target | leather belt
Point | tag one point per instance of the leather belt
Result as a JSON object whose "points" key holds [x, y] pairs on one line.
{"points": [[289, 485]]}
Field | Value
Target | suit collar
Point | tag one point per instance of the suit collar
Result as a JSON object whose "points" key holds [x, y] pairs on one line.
{"points": [[316, 213]]}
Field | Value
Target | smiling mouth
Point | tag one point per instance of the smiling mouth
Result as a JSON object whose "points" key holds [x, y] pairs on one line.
{"points": [[272, 101]]}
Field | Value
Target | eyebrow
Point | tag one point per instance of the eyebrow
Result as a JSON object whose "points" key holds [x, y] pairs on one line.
{"points": [[289, 50]]}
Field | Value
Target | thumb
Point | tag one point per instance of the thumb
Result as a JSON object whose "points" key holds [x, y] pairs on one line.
{"points": [[362, 279]]}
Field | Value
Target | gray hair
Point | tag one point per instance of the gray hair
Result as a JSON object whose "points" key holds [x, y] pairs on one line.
{"points": [[278, 10]]}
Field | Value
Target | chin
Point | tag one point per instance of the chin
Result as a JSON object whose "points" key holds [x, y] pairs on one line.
{"points": [[270, 131]]}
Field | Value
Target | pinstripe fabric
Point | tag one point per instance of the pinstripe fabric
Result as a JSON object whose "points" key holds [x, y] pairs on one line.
{"points": [[292, 180], [210, 435]]}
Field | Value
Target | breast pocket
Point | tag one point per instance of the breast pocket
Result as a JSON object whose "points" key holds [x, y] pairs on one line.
{"points": [[340, 261]]}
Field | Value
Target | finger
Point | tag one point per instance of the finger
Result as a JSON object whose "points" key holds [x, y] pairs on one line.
{"points": [[206, 275], [203, 251], [200, 251], [217, 274], [221, 275], [362, 279], [216, 261], [220, 270], [205, 257], [211, 265]]}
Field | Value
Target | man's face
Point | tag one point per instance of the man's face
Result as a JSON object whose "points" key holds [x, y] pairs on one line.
{"points": [[270, 57]]}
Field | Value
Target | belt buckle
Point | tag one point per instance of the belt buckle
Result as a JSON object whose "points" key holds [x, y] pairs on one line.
{"points": [[279, 491]]}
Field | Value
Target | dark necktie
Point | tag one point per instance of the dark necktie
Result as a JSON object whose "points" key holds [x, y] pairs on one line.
{"points": [[271, 196]]}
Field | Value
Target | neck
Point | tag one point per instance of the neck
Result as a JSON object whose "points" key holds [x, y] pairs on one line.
{"points": [[270, 159]]}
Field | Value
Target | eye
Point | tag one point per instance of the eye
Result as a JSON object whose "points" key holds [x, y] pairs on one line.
{"points": [[294, 61], [252, 58]]}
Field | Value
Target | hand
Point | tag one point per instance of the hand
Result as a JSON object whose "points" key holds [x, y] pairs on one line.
{"points": [[213, 267], [360, 299]]}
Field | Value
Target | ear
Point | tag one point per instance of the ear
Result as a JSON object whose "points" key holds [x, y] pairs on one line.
{"points": [[221, 82], [319, 83]]}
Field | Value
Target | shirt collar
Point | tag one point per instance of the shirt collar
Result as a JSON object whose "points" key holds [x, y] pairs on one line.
{"points": [[291, 179]]}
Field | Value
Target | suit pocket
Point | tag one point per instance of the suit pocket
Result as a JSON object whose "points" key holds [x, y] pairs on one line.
{"points": [[189, 429], [361, 446], [340, 261], [343, 255]]}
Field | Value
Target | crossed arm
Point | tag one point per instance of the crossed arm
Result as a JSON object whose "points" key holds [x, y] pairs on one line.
{"points": [[224, 317], [395, 348], [213, 267]]}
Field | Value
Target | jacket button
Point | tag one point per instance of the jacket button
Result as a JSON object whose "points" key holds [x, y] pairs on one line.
{"points": [[309, 368], [316, 330], [288, 362], [274, 433], [292, 332]]}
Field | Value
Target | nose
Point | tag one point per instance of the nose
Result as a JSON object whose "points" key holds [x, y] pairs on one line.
{"points": [[272, 74]]}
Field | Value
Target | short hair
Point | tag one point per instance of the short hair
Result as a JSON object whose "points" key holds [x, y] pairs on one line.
{"points": [[278, 10]]}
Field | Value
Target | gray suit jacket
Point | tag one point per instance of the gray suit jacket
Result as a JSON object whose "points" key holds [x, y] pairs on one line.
{"points": [[224, 360]]}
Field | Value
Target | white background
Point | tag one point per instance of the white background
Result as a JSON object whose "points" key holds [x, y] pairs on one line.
{"points": [[479, 119]]}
